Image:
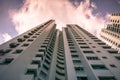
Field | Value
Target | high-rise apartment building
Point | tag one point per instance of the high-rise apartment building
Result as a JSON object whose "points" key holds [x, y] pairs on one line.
{"points": [[45, 53], [111, 33]]}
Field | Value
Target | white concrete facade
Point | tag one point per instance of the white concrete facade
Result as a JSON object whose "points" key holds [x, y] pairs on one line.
{"points": [[45, 53], [111, 33]]}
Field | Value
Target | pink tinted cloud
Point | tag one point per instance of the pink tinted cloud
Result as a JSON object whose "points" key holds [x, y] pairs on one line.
{"points": [[34, 12], [6, 37], [118, 1]]}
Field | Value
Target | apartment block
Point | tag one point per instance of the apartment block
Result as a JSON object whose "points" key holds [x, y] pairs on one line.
{"points": [[45, 53], [111, 33]]}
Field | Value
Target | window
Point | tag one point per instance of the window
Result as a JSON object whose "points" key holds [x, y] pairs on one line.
{"points": [[82, 78], [73, 51], [20, 39], [91, 36], [49, 57], [25, 45], [57, 78], [94, 38], [99, 67], [97, 40], [117, 57], [113, 52], [76, 61], [47, 61], [90, 43], [119, 45], [13, 45], [82, 43], [26, 36], [34, 37], [3, 52], [94, 46], [43, 74], [45, 67], [37, 34], [98, 51], [92, 58], [72, 47], [84, 47], [7, 61], [30, 33], [60, 66], [106, 47], [18, 51], [79, 69], [37, 61], [80, 40], [71, 44], [104, 57], [30, 40], [74, 56], [88, 52], [32, 70], [112, 65], [40, 55], [101, 43], [60, 72], [106, 78]]}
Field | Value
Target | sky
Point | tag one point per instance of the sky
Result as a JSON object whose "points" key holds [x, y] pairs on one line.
{"points": [[18, 16]]}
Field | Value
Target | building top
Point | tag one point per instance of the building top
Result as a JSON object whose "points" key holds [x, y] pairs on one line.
{"points": [[115, 14]]}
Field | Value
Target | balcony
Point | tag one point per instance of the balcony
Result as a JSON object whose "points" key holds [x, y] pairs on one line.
{"points": [[13, 45], [32, 70], [20, 40], [3, 52], [37, 61]]}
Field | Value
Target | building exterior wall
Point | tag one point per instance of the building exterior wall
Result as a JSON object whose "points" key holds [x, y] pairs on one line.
{"points": [[21, 60], [88, 53], [45, 53], [111, 33]]}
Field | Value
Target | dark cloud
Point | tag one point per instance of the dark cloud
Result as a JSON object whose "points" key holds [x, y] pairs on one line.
{"points": [[6, 26], [75, 3], [106, 6]]}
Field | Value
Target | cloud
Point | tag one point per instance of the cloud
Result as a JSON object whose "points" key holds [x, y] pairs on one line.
{"points": [[34, 12], [6, 37], [118, 1], [93, 5], [1, 39]]}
